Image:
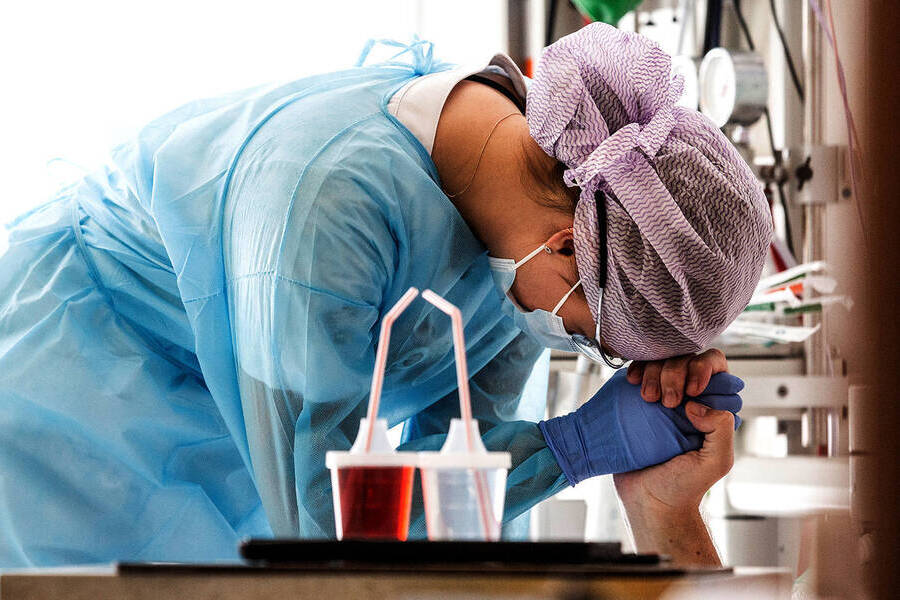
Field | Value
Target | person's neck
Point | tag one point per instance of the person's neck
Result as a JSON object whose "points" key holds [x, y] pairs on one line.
{"points": [[495, 203], [498, 206]]}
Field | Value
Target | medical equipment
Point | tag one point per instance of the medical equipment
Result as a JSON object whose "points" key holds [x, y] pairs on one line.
{"points": [[783, 295], [771, 317], [795, 402], [769, 332], [790, 276], [733, 87], [795, 307]]}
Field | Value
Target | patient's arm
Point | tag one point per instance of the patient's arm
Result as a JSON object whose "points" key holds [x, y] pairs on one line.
{"points": [[663, 502]]}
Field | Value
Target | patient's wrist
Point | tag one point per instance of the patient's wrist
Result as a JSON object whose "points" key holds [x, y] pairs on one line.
{"points": [[678, 532], [650, 519], [660, 515]]}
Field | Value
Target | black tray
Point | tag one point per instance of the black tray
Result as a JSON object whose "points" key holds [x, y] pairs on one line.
{"points": [[284, 551]]}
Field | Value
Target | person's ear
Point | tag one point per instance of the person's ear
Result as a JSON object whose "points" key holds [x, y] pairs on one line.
{"points": [[563, 242]]}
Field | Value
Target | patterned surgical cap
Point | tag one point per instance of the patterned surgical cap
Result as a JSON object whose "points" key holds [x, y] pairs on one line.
{"points": [[687, 224]]}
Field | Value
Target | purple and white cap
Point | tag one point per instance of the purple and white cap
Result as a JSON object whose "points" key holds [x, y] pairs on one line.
{"points": [[687, 225]]}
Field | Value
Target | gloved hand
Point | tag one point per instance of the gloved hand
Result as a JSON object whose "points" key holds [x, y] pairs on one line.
{"points": [[617, 431]]}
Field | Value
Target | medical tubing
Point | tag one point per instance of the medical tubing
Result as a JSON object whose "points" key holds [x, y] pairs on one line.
{"points": [[712, 26], [852, 135], [736, 5], [384, 340], [776, 156], [787, 52], [465, 403]]}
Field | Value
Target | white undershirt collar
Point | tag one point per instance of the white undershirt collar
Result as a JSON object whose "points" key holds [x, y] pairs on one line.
{"points": [[419, 103]]}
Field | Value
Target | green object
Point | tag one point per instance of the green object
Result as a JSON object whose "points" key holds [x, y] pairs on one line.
{"points": [[607, 11], [764, 306], [806, 308], [790, 310]]}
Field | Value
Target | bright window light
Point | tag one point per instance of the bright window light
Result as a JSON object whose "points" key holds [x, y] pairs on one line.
{"points": [[80, 77]]}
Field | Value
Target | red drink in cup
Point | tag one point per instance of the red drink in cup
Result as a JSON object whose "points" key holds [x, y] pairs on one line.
{"points": [[375, 502], [372, 489]]}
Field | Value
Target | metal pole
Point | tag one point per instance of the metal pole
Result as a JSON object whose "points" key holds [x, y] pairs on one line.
{"points": [[815, 348], [517, 31]]}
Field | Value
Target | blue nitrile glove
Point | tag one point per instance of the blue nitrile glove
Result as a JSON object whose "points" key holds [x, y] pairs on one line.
{"points": [[617, 431]]}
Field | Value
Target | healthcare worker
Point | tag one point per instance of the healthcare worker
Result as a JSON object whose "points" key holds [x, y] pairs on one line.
{"points": [[185, 333]]}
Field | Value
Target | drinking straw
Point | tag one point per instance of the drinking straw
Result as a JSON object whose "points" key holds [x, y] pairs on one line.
{"points": [[459, 347], [465, 403], [384, 340]]}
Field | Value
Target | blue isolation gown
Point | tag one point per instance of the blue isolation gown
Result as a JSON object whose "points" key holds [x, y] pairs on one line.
{"points": [[184, 334]]}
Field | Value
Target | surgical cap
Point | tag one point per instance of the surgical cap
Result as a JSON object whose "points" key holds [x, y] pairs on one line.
{"points": [[686, 224]]}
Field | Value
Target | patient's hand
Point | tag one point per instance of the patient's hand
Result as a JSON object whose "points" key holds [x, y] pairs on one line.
{"points": [[663, 502], [674, 378]]}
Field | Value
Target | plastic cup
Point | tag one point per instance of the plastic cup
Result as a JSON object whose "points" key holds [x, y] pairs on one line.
{"points": [[451, 480], [372, 491]]}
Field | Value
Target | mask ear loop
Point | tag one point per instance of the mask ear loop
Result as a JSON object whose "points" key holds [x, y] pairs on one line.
{"points": [[564, 298], [532, 254], [574, 287]]}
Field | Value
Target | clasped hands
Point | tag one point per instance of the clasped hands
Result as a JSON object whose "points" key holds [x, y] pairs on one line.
{"points": [[619, 430], [665, 455]]}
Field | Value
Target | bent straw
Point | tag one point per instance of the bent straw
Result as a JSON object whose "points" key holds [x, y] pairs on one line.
{"points": [[465, 403], [384, 340], [459, 348]]}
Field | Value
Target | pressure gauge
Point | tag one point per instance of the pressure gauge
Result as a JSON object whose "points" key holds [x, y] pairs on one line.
{"points": [[734, 87], [687, 68]]}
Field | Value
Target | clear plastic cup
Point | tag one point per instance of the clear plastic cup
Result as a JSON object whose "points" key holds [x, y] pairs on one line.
{"points": [[372, 491], [454, 479]]}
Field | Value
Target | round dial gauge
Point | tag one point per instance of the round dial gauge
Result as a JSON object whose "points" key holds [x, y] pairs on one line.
{"points": [[733, 87]]}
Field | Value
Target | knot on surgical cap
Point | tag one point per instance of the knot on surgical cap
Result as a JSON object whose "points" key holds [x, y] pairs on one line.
{"points": [[686, 223], [599, 93]]}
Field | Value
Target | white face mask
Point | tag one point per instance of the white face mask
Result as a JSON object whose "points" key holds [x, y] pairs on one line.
{"points": [[545, 327]]}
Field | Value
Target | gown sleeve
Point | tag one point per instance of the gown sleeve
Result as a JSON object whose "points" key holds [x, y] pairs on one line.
{"points": [[497, 402]]}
